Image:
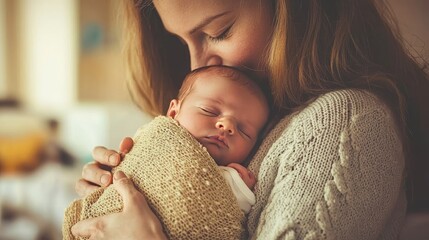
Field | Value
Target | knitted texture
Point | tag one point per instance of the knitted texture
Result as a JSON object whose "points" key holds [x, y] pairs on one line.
{"points": [[331, 171], [181, 182]]}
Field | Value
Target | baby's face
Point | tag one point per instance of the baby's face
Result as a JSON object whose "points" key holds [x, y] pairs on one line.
{"points": [[224, 116]]}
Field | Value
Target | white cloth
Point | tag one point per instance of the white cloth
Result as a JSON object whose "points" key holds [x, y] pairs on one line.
{"points": [[245, 196]]}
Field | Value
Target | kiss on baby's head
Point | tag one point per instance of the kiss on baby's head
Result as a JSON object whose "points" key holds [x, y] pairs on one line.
{"points": [[224, 109], [252, 83]]}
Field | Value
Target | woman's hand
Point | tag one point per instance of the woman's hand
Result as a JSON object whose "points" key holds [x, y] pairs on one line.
{"points": [[136, 221], [97, 173]]}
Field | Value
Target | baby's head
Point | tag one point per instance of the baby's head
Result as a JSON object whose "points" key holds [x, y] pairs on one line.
{"points": [[224, 109]]}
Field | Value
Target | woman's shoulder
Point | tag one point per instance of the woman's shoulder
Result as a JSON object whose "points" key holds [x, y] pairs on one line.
{"points": [[328, 115], [343, 112], [340, 108], [347, 103], [331, 117], [328, 152], [334, 110]]}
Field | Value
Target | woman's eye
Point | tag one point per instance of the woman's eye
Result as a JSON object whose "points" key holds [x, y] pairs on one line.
{"points": [[224, 35]]}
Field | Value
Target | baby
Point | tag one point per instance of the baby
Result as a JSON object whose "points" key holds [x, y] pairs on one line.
{"points": [[224, 111]]}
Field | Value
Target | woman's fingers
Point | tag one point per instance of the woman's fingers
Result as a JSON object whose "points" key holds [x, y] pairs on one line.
{"points": [[130, 195], [106, 156], [126, 145], [87, 227], [98, 173], [84, 188], [136, 221], [137, 208], [94, 173]]}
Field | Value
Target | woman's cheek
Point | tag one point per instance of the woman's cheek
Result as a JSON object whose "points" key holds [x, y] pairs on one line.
{"points": [[240, 55]]}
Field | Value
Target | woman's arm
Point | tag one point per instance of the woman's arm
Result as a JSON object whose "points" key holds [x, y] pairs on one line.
{"points": [[336, 172], [97, 173], [136, 221]]}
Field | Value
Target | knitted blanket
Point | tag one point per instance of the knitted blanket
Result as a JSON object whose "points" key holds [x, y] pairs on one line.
{"points": [[180, 181]]}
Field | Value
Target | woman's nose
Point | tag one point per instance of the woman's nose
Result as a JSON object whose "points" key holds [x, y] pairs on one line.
{"points": [[203, 58], [227, 126]]}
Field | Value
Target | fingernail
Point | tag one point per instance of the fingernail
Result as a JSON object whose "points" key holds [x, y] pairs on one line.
{"points": [[105, 179], [113, 159], [118, 175]]}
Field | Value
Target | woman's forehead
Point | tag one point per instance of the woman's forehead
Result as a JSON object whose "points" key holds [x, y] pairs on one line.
{"points": [[185, 15]]}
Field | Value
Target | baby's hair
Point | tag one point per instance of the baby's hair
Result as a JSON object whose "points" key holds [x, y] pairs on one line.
{"points": [[252, 83]]}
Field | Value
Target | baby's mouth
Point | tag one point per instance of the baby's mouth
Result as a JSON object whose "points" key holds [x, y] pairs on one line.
{"points": [[218, 140]]}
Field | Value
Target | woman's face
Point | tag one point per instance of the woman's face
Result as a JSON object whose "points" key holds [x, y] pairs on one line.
{"points": [[221, 32]]}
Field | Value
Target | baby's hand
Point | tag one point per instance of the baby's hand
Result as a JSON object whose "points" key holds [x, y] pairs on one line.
{"points": [[245, 174]]}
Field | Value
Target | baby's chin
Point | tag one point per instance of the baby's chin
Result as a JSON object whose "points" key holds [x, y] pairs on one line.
{"points": [[218, 159], [215, 153]]}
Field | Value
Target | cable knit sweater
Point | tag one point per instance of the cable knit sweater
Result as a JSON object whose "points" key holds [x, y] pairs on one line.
{"points": [[331, 171]]}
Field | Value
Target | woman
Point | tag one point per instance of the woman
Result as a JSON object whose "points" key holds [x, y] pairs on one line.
{"points": [[346, 91]]}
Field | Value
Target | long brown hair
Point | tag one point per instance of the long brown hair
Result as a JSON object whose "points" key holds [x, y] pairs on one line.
{"points": [[320, 46], [156, 61], [317, 46]]}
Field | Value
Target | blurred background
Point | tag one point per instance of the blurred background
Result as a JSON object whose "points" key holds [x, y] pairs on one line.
{"points": [[63, 91]]}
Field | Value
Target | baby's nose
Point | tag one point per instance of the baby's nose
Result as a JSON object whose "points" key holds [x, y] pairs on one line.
{"points": [[226, 125]]}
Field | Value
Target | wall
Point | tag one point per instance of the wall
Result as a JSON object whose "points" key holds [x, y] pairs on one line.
{"points": [[3, 72], [413, 19], [48, 57], [56, 70], [101, 69]]}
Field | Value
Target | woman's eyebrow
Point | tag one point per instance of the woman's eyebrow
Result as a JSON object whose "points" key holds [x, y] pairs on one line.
{"points": [[207, 20]]}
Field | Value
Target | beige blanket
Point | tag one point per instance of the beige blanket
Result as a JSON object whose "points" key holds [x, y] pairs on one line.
{"points": [[181, 182]]}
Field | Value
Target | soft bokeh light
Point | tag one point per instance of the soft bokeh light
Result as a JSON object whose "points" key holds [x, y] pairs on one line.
{"points": [[62, 92], [48, 40], [3, 72]]}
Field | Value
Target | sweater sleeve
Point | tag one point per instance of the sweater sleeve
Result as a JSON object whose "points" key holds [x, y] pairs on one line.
{"points": [[334, 172]]}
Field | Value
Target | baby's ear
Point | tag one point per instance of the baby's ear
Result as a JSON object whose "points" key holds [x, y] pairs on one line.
{"points": [[173, 109]]}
